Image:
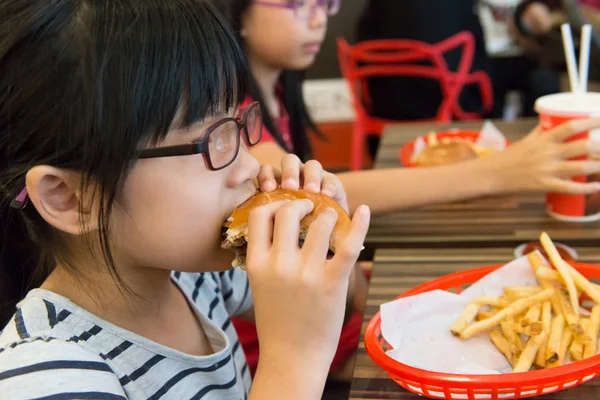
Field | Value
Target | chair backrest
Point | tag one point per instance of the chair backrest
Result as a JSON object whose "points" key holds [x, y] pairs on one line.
{"points": [[386, 58]]}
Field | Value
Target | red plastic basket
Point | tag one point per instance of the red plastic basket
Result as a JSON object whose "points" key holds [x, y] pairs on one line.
{"points": [[407, 150], [477, 387]]}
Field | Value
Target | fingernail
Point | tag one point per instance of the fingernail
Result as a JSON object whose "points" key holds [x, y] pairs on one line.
{"points": [[272, 185], [311, 186], [291, 181], [364, 211], [327, 192]]}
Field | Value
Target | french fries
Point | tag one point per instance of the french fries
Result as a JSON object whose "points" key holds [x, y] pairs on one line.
{"points": [[528, 355], [554, 340], [565, 342], [538, 326], [515, 308], [587, 287], [563, 269], [592, 331], [465, 319], [576, 350], [540, 360], [504, 346], [519, 292]]}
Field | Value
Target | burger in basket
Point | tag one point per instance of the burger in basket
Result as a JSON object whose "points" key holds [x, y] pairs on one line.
{"points": [[236, 227], [449, 150]]}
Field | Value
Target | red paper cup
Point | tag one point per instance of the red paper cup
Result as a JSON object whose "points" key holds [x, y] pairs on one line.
{"points": [[554, 110]]}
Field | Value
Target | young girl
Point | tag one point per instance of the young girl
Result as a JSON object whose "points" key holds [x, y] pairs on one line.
{"points": [[122, 151], [281, 39]]}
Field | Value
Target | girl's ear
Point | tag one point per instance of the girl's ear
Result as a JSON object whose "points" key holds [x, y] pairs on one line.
{"points": [[56, 195]]}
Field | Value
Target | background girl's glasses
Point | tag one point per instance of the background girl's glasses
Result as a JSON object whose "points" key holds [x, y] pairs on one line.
{"points": [[303, 9], [221, 144]]}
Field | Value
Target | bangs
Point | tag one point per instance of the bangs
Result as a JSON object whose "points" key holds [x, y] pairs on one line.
{"points": [[177, 58]]}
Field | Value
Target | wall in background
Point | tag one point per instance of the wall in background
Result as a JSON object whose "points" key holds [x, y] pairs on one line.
{"points": [[344, 25], [327, 94]]}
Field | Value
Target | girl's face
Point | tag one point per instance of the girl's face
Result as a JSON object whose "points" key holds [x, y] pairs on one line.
{"points": [[174, 207], [284, 38]]}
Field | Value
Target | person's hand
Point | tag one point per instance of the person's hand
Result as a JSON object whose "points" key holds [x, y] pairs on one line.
{"points": [[537, 19], [299, 295], [296, 175], [542, 161]]}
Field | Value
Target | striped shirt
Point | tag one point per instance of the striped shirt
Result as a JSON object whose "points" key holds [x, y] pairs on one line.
{"points": [[52, 349]]}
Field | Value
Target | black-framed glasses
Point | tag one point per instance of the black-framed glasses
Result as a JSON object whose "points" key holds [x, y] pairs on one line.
{"points": [[221, 144]]}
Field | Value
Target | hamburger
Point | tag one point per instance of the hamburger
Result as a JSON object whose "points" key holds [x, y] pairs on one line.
{"points": [[444, 153], [235, 229]]}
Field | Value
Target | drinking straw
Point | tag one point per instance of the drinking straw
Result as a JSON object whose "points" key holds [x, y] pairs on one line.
{"points": [[584, 57], [567, 37]]}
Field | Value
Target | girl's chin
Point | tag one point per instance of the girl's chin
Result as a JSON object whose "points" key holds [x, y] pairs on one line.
{"points": [[222, 261], [301, 63]]}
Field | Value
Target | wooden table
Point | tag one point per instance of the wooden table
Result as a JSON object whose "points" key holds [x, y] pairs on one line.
{"points": [[507, 220], [397, 270]]}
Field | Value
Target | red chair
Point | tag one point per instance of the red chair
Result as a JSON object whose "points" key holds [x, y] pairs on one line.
{"points": [[385, 58]]}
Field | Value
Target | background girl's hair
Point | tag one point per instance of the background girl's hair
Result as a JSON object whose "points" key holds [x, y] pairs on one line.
{"points": [[85, 83], [291, 94]]}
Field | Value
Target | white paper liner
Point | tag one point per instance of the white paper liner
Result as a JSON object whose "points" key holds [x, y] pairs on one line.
{"points": [[418, 327]]}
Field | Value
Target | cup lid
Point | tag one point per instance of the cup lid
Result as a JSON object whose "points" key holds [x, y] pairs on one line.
{"points": [[569, 104]]}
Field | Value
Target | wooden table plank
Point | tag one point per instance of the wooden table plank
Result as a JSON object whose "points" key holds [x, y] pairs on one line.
{"points": [[398, 270], [508, 220]]}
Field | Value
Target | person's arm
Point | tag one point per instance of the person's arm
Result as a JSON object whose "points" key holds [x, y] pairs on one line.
{"points": [[386, 190], [289, 378], [538, 163], [414, 186]]}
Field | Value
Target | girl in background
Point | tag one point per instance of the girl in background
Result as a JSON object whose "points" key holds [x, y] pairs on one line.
{"points": [[282, 38], [122, 151]]}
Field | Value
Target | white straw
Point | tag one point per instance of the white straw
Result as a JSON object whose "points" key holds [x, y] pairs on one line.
{"points": [[567, 37], [584, 57]]}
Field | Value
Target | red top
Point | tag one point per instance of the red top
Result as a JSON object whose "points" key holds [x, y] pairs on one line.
{"points": [[283, 123], [591, 3]]}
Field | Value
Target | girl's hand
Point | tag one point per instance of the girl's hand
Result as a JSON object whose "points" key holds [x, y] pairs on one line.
{"points": [[310, 177], [541, 162], [299, 295]]}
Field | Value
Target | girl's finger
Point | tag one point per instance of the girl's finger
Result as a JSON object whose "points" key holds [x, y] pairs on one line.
{"points": [[349, 248], [316, 245], [333, 187], [287, 225], [573, 127], [267, 178], [579, 148], [313, 175], [290, 172], [260, 227], [571, 187], [570, 169]]}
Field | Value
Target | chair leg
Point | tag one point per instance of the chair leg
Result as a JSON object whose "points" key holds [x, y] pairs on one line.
{"points": [[358, 147]]}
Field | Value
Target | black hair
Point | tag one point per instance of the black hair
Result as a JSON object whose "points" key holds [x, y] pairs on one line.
{"points": [[85, 83], [291, 94]]}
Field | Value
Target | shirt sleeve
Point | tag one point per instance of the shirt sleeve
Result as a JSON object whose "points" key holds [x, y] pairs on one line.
{"points": [[236, 291], [50, 368]]}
